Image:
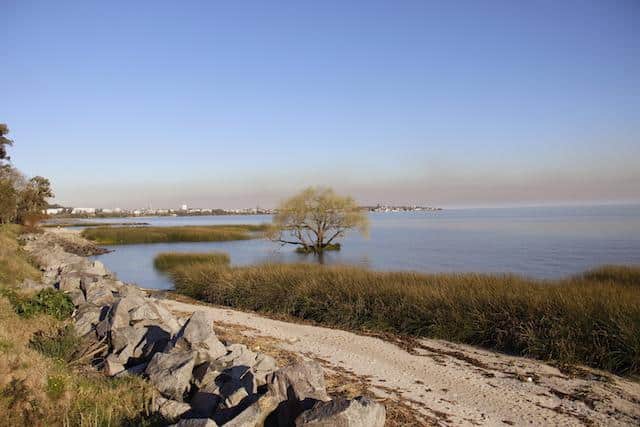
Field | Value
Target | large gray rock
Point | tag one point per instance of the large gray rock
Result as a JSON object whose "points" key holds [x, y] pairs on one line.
{"points": [[135, 344], [119, 315], [304, 380], [198, 335], [170, 410], [70, 281], [298, 387], [97, 290], [86, 317], [171, 372], [239, 359], [196, 422], [359, 412], [256, 414]]}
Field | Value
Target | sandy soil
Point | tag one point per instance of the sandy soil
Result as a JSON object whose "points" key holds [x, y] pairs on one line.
{"points": [[452, 384]]}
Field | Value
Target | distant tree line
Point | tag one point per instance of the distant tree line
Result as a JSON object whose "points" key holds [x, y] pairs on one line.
{"points": [[22, 200]]}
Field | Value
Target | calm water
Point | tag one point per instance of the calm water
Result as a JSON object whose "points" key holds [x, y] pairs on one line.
{"points": [[537, 242]]}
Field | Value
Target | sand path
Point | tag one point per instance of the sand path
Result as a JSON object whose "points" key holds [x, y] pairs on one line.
{"points": [[452, 384]]}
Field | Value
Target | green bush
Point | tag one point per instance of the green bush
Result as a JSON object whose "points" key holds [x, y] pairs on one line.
{"points": [[46, 301], [62, 344], [56, 386]]}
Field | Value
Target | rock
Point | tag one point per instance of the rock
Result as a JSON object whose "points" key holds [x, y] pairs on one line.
{"points": [[198, 335], [97, 268], [305, 380], [112, 366], [138, 343], [171, 372], [240, 358], [170, 410], [359, 412], [119, 313], [86, 317], [99, 295], [77, 297], [125, 342], [70, 281], [264, 365], [196, 422], [256, 414], [168, 319], [298, 387], [204, 402]]}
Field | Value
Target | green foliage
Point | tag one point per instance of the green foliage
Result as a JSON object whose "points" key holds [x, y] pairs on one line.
{"points": [[46, 301], [5, 346], [4, 143], [8, 201], [590, 322], [210, 233], [168, 260], [21, 200], [315, 218], [60, 345], [56, 386]]}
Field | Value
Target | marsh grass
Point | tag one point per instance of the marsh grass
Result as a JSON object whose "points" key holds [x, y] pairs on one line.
{"points": [[209, 233], [168, 260], [579, 320]]}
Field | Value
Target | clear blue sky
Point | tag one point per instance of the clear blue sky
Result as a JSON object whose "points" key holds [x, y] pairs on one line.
{"points": [[229, 104]]}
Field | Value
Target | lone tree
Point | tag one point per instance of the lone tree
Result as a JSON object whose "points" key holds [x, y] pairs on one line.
{"points": [[315, 218]]}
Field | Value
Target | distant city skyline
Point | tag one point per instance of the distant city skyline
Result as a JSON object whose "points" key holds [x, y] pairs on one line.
{"points": [[233, 105]]}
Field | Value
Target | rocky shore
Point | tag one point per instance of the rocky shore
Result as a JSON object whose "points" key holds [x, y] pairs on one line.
{"points": [[201, 380]]}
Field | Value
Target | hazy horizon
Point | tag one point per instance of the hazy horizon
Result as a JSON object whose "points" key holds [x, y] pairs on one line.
{"points": [[472, 104]]}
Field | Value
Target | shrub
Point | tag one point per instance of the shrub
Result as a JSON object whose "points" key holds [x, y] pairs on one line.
{"points": [[56, 386], [62, 344], [46, 301]]}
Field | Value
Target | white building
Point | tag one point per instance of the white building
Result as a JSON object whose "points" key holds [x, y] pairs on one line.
{"points": [[54, 211], [183, 207], [83, 211]]}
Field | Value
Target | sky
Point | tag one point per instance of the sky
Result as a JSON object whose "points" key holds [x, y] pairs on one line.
{"points": [[237, 104]]}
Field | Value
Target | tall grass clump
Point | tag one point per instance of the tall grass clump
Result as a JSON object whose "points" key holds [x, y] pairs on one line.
{"points": [[576, 320], [168, 260], [209, 233], [617, 274], [14, 264]]}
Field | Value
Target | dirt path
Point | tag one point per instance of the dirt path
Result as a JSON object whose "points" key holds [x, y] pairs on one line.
{"points": [[453, 384]]}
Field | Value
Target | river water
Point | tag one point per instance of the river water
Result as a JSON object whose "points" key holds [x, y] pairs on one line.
{"points": [[547, 242]]}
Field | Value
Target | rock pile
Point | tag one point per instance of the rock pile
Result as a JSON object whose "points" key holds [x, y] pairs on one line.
{"points": [[202, 381]]}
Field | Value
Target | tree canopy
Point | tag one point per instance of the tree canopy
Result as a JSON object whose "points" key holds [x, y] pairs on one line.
{"points": [[316, 218], [4, 143], [21, 199]]}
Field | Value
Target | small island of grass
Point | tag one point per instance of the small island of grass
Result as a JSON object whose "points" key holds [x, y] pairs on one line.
{"points": [[209, 233]]}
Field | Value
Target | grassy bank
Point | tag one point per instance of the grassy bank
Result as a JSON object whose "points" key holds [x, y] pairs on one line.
{"points": [[169, 260], [14, 265], [591, 319], [39, 384], [209, 233]]}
